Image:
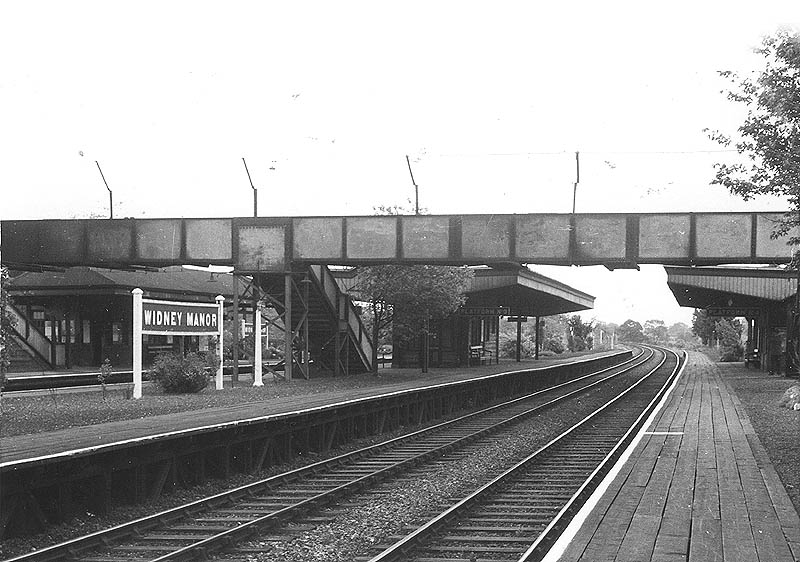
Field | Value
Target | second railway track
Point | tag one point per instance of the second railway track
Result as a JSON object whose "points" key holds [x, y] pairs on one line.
{"points": [[196, 530], [517, 516]]}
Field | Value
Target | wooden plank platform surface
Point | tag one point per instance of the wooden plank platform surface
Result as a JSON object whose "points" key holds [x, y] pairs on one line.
{"points": [[699, 487], [19, 448]]}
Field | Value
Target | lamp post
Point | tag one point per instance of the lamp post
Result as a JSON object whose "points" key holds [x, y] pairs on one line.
{"points": [[255, 191], [110, 193]]}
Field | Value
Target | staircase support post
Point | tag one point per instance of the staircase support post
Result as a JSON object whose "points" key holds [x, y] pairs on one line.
{"points": [[257, 374], [306, 362], [236, 334], [287, 318], [337, 357]]}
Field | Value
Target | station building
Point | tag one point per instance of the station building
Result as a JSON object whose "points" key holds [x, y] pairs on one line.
{"points": [[764, 296], [80, 316]]}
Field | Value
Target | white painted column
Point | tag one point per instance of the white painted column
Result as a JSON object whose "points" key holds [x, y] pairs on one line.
{"points": [[137, 342], [220, 299], [257, 372]]}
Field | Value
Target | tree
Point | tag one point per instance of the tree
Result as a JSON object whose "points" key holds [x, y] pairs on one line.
{"points": [[703, 326], [729, 335], [405, 299], [410, 296], [553, 330], [769, 137], [579, 334], [604, 332], [630, 331], [680, 335], [655, 332]]}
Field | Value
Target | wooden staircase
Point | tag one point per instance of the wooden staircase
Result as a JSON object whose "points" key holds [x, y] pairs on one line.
{"points": [[30, 349], [324, 321]]}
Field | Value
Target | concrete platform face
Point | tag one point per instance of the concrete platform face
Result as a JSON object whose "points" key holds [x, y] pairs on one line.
{"points": [[698, 487]]}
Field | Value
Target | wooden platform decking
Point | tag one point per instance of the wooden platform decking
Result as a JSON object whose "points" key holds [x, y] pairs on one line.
{"points": [[698, 487]]}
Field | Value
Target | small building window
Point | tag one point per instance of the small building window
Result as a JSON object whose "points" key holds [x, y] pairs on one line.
{"points": [[86, 331], [38, 314], [116, 332]]}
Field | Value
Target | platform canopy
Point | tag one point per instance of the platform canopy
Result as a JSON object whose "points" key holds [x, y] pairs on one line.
{"points": [[173, 282], [505, 292], [731, 291], [524, 293], [276, 244]]}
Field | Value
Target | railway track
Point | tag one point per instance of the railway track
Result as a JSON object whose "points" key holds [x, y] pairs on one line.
{"points": [[197, 530], [519, 515]]}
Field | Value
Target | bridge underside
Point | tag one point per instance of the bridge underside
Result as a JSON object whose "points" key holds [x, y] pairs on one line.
{"points": [[274, 244]]}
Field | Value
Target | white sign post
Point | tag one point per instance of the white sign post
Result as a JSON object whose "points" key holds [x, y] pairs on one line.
{"points": [[137, 343], [173, 318], [220, 299], [257, 372]]}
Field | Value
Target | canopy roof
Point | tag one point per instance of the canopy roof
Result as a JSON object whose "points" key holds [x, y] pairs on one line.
{"points": [[522, 291], [164, 283], [704, 287]]}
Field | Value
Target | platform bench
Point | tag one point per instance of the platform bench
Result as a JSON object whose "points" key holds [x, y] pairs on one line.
{"points": [[478, 355]]}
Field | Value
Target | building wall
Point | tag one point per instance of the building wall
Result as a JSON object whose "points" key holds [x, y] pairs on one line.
{"points": [[87, 329], [450, 342]]}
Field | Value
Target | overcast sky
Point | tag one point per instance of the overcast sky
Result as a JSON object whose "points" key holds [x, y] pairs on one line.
{"points": [[490, 100]]}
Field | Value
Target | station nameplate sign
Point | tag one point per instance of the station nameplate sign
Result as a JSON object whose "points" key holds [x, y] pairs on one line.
{"points": [[484, 311], [746, 311], [160, 317]]}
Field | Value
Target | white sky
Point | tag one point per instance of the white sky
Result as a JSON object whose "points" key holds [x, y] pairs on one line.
{"points": [[490, 99]]}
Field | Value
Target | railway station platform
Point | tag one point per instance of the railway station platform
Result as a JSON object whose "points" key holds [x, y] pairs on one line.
{"points": [[84, 439], [698, 487], [46, 477]]}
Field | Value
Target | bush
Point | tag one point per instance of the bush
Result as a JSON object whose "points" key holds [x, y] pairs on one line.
{"points": [[175, 373], [728, 354]]}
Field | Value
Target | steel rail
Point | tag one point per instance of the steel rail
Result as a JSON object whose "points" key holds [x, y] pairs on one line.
{"points": [[404, 548], [78, 547], [548, 537]]}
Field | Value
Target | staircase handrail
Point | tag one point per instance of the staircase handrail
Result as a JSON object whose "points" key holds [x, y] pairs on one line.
{"points": [[31, 334], [355, 326]]}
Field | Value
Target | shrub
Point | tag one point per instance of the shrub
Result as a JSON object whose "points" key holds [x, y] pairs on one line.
{"points": [[175, 373], [729, 354]]}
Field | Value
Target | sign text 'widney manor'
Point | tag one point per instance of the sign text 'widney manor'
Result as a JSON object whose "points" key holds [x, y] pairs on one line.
{"points": [[160, 317]]}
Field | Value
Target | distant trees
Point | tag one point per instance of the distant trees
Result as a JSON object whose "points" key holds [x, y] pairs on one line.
{"points": [[655, 332], [725, 332], [630, 331], [680, 335], [579, 334]]}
